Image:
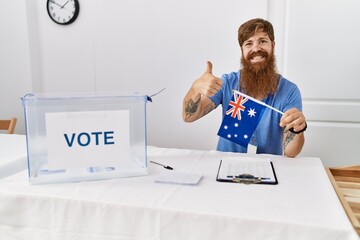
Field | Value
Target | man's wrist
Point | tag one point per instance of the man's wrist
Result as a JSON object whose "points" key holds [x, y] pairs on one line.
{"points": [[298, 132]]}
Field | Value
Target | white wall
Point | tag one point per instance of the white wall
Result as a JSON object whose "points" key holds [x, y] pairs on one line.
{"points": [[147, 45], [321, 57], [15, 79]]}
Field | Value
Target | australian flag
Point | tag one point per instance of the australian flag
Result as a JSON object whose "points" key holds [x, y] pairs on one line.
{"points": [[241, 119]]}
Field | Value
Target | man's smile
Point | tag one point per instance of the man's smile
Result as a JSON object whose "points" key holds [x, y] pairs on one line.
{"points": [[257, 59]]}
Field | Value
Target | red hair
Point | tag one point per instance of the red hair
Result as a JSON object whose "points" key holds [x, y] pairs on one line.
{"points": [[247, 29]]}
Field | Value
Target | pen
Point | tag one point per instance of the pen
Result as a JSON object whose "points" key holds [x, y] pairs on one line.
{"points": [[167, 167]]}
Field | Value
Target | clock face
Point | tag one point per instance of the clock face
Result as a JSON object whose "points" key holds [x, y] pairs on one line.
{"points": [[63, 11]]}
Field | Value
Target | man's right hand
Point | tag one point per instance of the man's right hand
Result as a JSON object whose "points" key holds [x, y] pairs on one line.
{"points": [[194, 105], [207, 84]]}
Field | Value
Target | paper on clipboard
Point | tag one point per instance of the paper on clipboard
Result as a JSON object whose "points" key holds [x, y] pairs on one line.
{"points": [[246, 170]]}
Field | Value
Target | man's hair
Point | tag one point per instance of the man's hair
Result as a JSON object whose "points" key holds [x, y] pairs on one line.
{"points": [[247, 29]]}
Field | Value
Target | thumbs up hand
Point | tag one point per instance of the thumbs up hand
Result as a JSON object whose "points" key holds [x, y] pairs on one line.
{"points": [[208, 84]]}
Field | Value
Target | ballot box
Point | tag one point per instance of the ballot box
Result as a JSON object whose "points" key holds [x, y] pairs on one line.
{"points": [[85, 136]]}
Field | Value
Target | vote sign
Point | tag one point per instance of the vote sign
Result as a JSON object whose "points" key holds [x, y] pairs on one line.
{"points": [[87, 139]]}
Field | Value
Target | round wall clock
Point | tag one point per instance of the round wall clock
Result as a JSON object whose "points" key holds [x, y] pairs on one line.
{"points": [[63, 11]]}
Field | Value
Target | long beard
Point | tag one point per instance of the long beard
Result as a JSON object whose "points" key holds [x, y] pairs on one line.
{"points": [[260, 79]]}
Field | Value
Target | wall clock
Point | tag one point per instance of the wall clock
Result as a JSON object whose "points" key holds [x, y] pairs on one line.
{"points": [[63, 12]]}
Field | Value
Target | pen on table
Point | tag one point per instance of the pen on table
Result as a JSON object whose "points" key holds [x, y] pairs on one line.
{"points": [[167, 167]]}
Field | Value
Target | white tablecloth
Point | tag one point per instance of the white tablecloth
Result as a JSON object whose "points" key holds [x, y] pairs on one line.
{"points": [[12, 154], [302, 206]]}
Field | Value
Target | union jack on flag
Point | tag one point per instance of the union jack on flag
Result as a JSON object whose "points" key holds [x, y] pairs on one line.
{"points": [[237, 105], [241, 119]]}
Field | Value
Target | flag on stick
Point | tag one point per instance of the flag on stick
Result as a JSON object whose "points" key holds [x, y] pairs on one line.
{"points": [[241, 118]]}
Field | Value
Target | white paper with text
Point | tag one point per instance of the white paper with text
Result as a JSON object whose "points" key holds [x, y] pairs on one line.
{"points": [[236, 167]]}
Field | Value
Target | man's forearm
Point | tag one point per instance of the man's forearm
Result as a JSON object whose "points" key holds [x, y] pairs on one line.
{"points": [[191, 107], [293, 143], [196, 106]]}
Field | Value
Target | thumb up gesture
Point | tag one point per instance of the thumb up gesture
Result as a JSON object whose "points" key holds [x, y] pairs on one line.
{"points": [[207, 84]]}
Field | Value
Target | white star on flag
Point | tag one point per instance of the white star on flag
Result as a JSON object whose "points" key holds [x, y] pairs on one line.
{"points": [[251, 112]]}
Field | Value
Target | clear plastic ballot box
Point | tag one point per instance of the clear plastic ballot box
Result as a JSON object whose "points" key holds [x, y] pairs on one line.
{"points": [[77, 137]]}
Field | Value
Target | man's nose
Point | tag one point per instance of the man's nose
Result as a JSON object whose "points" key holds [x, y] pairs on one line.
{"points": [[256, 47]]}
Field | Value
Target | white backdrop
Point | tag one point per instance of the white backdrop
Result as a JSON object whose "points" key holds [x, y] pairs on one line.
{"points": [[147, 45]]}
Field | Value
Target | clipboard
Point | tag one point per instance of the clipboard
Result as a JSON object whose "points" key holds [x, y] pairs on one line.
{"points": [[247, 170]]}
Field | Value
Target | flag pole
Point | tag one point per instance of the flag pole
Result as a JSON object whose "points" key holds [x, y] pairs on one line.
{"points": [[259, 102]]}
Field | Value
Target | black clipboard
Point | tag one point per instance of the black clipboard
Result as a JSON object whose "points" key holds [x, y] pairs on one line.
{"points": [[246, 177]]}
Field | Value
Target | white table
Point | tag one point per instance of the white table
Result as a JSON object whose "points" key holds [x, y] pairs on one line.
{"points": [[12, 154], [302, 206]]}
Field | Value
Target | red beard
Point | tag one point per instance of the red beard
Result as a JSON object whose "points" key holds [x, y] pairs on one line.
{"points": [[259, 79]]}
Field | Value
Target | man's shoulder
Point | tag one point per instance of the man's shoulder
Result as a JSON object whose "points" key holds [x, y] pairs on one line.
{"points": [[288, 90], [231, 78], [286, 82], [231, 75]]}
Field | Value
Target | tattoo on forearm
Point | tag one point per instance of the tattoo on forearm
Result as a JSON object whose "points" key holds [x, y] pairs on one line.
{"points": [[191, 107], [289, 136], [208, 109]]}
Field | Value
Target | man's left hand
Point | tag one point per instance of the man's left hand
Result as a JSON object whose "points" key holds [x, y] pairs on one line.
{"points": [[294, 119]]}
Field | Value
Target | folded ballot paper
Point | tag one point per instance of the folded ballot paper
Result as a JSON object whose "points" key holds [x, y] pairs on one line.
{"points": [[179, 178]]}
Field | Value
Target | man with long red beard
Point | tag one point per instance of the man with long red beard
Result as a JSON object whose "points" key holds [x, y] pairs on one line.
{"points": [[258, 78]]}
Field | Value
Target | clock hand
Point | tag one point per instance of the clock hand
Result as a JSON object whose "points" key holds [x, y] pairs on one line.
{"points": [[64, 4], [55, 3]]}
